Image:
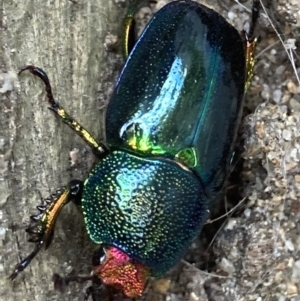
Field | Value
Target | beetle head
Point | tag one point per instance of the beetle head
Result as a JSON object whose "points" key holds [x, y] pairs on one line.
{"points": [[116, 269]]}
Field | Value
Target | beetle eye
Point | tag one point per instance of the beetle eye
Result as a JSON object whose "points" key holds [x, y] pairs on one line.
{"points": [[99, 256]]}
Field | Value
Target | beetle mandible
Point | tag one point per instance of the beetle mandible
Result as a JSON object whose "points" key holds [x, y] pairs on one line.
{"points": [[170, 130]]}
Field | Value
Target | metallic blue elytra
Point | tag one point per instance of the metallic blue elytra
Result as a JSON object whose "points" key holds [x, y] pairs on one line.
{"points": [[182, 88], [171, 127]]}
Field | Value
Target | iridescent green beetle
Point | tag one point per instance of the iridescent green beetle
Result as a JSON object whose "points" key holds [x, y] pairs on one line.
{"points": [[171, 127]]}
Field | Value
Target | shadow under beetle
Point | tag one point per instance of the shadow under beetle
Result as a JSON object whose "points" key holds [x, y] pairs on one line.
{"points": [[171, 127]]}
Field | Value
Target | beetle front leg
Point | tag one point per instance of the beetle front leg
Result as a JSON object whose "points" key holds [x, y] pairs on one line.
{"points": [[97, 290], [42, 231], [98, 148]]}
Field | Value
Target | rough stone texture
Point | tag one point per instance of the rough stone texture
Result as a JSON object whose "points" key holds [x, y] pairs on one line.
{"points": [[254, 257]]}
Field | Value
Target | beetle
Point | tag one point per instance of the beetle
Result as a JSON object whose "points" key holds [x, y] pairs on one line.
{"points": [[171, 127]]}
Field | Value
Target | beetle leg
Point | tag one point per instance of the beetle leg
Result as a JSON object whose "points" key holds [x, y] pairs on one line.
{"points": [[42, 231], [60, 283], [128, 39], [251, 41], [97, 290], [98, 148]]}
